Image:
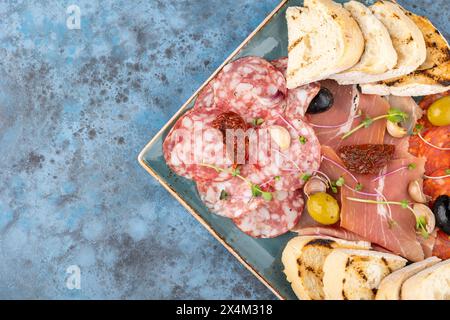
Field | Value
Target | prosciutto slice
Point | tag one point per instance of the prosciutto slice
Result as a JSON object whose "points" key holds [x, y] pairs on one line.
{"points": [[350, 108], [392, 227]]}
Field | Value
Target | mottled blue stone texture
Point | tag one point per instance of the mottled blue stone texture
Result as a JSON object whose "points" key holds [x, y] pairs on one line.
{"points": [[76, 107]]}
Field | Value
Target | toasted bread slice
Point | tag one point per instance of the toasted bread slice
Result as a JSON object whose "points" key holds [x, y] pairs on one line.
{"points": [[379, 54], [324, 39], [432, 77], [406, 37], [390, 286], [356, 274], [430, 284], [303, 260]]}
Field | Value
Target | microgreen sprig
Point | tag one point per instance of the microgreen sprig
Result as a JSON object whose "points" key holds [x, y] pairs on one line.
{"points": [[394, 115], [420, 220], [235, 172]]}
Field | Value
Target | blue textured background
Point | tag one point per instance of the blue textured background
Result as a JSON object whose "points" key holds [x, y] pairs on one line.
{"points": [[76, 107]]}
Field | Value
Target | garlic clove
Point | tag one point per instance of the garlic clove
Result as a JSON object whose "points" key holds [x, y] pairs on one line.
{"points": [[421, 210], [415, 190], [314, 185], [280, 136], [395, 130]]}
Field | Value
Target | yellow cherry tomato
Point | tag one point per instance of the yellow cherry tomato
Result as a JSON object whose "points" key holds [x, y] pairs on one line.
{"points": [[323, 208], [439, 112]]}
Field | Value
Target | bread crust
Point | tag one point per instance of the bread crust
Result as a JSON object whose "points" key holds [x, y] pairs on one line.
{"points": [[308, 27], [429, 284], [390, 286], [432, 77], [379, 55], [299, 273], [356, 274]]}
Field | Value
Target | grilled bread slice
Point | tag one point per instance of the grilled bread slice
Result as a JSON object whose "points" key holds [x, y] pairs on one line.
{"points": [[324, 39], [356, 274], [430, 284], [390, 286], [303, 260], [406, 37], [433, 76], [379, 54]]}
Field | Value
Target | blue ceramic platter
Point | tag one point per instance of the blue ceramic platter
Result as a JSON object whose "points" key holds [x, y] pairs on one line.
{"points": [[260, 256]]}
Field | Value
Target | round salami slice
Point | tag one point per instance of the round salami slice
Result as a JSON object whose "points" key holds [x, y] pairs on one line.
{"points": [[281, 64], [231, 198], [437, 186], [279, 169], [251, 87], [192, 143], [436, 158], [298, 99], [273, 218], [205, 99]]}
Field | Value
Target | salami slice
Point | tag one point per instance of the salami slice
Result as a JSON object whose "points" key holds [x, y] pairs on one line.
{"points": [[272, 218], [436, 158], [298, 99], [231, 198], [281, 64], [278, 169], [193, 142], [437, 186], [205, 99], [251, 87]]}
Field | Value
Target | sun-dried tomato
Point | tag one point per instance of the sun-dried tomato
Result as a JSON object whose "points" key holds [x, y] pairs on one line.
{"points": [[232, 121], [366, 158]]}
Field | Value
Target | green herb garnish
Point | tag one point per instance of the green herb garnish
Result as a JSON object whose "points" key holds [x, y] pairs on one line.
{"points": [[417, 129], [358, 187], [305, 177], [302, 139], [394, 115], [421, 225], [257, 192], [340, 182], [277, 178], [257, 121], [256, 189], [412, 166], [235, 172]]}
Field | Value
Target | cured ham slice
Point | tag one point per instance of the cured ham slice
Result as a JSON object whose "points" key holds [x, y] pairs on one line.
{"points": [[410, 107], [393, 226], [334, 232], [350, 108]]}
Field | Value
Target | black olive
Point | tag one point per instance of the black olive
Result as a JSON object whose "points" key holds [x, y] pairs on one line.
{"points": [[322, 102], [441, 210]]}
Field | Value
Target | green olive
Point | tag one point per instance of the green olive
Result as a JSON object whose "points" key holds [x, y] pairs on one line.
{"points": [[323, 208], [439, 112]]}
